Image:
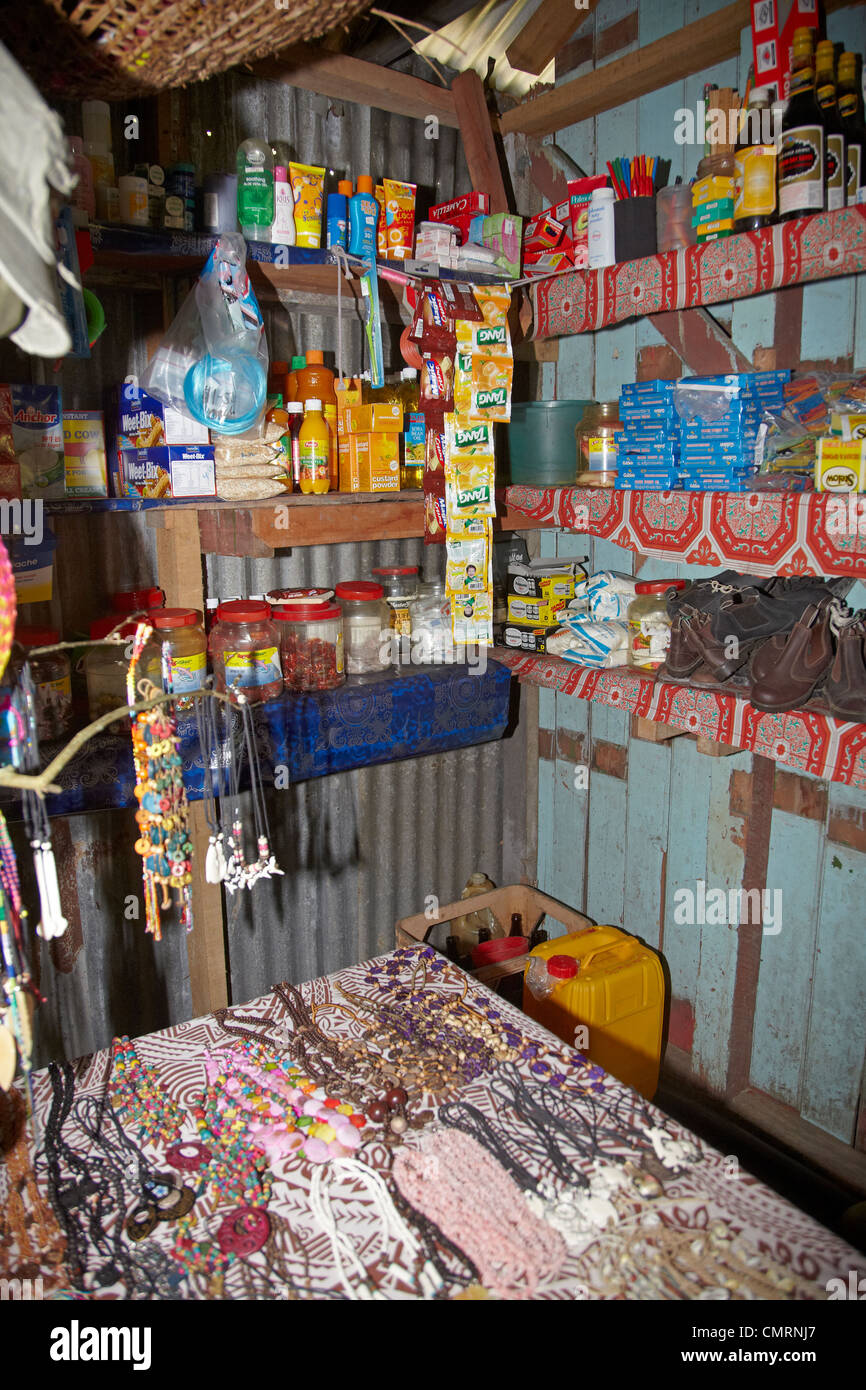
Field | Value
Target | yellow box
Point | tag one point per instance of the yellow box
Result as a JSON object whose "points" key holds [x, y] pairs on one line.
{"points": [[84, 453], [535, 611], [617, 996], [348, 392], [369, 419], [708, 189], [840, 465], [370, 462]]}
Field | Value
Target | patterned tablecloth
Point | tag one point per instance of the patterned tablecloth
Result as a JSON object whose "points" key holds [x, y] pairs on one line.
{"points": [[423, 710], [646, 1209]]}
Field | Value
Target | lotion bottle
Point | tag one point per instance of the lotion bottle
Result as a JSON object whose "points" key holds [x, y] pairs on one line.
{"points": [[363, 220]]}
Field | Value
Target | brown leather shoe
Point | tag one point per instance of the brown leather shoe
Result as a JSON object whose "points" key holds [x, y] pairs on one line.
{"points": [[787, 668], [846, 684]]}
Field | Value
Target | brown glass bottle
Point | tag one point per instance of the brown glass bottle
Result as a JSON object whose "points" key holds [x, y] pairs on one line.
{"points": [[801, 152], [834, 136], [850, 107], [755, 166]]}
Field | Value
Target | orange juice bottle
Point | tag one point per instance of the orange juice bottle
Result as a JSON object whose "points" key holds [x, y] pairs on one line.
{"points": [[314, 441], [316, 382]]}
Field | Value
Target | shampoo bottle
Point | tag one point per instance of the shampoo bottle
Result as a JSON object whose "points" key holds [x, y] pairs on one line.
{"points": [[255, 164], [363, 219], [283, 229]]}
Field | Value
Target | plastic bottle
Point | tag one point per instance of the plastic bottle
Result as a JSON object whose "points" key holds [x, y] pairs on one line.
{"points": [[363, 219], [338, 214], [600, 228], [317, 381], [298, 365], [283, 226], [314, 442], [467, 929], [83, 197], [295, 411], [96, 124], [414, 431], [255, 166]]}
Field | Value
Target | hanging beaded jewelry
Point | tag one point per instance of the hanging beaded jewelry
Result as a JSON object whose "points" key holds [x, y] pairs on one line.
{"points": [[163, 816]]}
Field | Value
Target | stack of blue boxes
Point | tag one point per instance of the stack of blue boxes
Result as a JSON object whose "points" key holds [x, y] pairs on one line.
{"points": [[648, 446], [697, 434]]}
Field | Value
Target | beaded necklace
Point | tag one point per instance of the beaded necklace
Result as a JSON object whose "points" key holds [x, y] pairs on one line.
{"points": [[137, 1096]]}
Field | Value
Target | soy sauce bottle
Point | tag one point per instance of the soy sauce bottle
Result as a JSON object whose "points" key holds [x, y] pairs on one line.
{"points": [[802, 174], [851, 115], [834, 135]]}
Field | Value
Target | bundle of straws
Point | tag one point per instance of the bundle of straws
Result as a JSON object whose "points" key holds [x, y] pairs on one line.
{"points": [[634, 178]]}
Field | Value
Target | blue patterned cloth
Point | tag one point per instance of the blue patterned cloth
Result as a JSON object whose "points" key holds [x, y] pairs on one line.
{"points": [[387, 717]]}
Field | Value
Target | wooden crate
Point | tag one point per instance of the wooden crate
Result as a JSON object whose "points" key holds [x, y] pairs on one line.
{"points": [[503, 902]]}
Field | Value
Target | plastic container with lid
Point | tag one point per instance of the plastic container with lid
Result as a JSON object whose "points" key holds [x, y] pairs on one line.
{"points": [[596, 445], [674, 218], [400, 583], [365, 620], [649, 624], [105, 669], [137, 600], [600, 231], [183, 630], [52, 678], [244, 649], [311, 645], [315, 381], [432, 643]]}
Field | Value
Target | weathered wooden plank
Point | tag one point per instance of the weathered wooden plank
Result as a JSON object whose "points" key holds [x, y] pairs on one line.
{"points": [[605, 886], [649, 769], [757, 850], [545, 32], [704, 346], [351, 79], [476, 131], [782, 1000], [686, 864]]}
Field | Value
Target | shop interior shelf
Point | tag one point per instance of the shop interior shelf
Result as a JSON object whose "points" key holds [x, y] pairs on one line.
{"points": [[810, 741], [374, 719], [793, 253], [755, 532]]}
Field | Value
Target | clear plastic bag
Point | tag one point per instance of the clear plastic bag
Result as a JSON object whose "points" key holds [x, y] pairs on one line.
{"points": [[213, 361]]}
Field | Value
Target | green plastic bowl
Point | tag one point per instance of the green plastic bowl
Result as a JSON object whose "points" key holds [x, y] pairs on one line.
{"points": [[540, 447]]}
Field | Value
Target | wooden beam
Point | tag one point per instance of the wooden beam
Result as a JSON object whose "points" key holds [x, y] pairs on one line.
{"points": [[702, 44], [479, 146], [350, 79], [544, 34], [701, 342]]}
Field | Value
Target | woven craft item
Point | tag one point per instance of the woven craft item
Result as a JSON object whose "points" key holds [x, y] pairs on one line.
{"points": [[112, 49], [8, 607]]}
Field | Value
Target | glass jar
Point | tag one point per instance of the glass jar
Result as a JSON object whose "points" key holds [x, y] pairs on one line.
{"points": [[137, 600], [244, 649], [431, 625], [183, 630], [400, 583], [105, 670], [52, 678], [596, 445], [311, 645], [649, 623], [365, 619]]}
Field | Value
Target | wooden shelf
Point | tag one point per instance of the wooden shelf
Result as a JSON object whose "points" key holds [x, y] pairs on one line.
{"points": [[806, 740], [755, 532], [793, 253]]}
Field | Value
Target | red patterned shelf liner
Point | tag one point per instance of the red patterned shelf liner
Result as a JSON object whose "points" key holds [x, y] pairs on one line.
{"points": [[755, 532], [792, 253], [815, 743]]}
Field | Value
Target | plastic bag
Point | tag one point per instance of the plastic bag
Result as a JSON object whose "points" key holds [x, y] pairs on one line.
{"points": [[213, 361]]}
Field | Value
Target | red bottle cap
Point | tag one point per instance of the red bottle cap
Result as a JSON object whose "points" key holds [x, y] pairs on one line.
{"points": [[37, 636], [174, 617], [307, 612], [361, 589], [131, 600], [659, 586], [562, 967], [243, 610]]}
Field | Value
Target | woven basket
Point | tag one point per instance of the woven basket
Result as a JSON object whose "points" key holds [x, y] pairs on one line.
{"points": [[113, 49]]}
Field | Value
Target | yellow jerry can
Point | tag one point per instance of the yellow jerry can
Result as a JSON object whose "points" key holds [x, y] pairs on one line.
{"points": [[610, 986]]}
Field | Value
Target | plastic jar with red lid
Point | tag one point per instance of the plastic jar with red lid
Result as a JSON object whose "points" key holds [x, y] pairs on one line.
{"points": [[137, 600], [365, 626], [649, 623], [311, 645], [105, 669], [52, 678], [245, 650], [183, 630]]}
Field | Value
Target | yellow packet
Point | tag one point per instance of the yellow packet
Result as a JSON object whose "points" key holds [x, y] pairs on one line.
{"points": [[467, 565], [308, 185], [472, 619]]}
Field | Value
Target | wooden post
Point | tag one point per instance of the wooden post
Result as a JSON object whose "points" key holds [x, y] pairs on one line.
{"points": [[179, 574], [479, 146]]}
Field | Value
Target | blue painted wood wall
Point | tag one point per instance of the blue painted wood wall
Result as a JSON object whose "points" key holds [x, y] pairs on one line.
{"points": [[664, 815]]}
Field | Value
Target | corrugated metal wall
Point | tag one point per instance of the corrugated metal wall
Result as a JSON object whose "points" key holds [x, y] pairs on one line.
{"points": [[359, 849], [656, 817]]}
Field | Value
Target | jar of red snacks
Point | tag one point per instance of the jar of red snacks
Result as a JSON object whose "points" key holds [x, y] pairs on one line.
{"points": [[244, 648], [311, 645]]}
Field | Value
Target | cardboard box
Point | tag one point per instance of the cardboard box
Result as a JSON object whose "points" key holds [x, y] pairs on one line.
{"points": [[773, 25], [544, 581], [524, 637], [466, 206], [840, 465], [84, 453], [503, 233], [579, 197], [169, 472], [542, 612], [143, 422], [33, 567], [382, 417], [370, 463], [31, 440]]}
